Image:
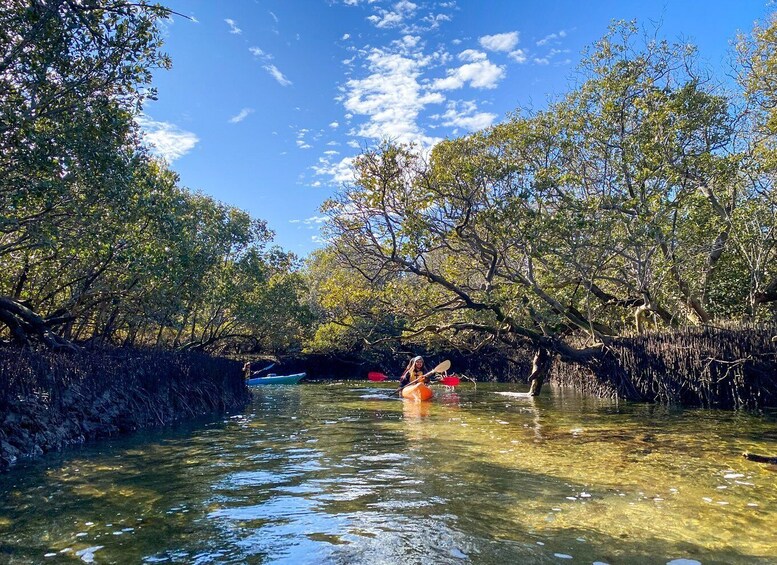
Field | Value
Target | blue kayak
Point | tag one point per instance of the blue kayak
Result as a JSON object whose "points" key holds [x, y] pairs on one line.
{"points": [[273, 379]]}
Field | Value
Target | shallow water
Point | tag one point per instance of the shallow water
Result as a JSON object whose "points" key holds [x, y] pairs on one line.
{"points": [[339, 473]]}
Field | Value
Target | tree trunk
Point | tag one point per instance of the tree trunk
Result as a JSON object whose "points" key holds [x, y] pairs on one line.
{"points": [[159, 334], [24, 323], [107, 332], [17, 293], [539, 370], [691, 301]]}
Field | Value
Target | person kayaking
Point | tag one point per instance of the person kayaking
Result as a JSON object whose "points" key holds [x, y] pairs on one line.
{"points": [[249, 372], [415, 372]]}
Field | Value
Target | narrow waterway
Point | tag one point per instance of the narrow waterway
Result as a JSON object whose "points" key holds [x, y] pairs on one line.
{"points": [[339, 473]]}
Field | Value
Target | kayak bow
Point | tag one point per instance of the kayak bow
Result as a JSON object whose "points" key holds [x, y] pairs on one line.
{"points": [[417, 392]]}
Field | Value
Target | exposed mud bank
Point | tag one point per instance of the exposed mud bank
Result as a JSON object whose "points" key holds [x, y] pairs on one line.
{"points": [[51, 400]]}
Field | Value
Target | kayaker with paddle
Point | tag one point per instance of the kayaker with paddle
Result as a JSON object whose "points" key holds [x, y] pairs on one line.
{"points": [[415, 372]]}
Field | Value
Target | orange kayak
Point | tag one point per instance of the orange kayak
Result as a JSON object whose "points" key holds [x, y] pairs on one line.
{"points": [[418, 391]]}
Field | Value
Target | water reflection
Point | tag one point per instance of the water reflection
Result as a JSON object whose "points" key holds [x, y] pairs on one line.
{"points": [[324, 474], [413, 410]]}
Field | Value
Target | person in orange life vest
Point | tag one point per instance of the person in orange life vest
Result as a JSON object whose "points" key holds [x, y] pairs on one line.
{"points": [[415, 372]]}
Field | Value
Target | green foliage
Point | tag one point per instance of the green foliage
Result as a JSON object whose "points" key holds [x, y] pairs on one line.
{"points": [[96, 236], [758, 76], [630, 201]]}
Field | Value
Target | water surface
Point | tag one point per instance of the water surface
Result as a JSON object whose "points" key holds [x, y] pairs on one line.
{"points": [[339, 473]]}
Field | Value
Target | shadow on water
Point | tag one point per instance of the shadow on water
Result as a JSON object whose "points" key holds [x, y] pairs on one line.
{"points": [[344, 473]]}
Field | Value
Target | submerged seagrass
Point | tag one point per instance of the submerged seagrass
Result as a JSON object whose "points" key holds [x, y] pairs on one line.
{"points": [[338, 473]]}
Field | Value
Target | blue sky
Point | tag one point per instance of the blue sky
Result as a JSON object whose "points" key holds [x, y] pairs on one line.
{"points": [[268, 100]]}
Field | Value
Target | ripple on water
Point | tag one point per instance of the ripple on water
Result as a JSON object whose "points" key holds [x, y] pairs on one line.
{"points": [[242, 479], [385, 457], [87, 554], [277, 508], [477, 481]]}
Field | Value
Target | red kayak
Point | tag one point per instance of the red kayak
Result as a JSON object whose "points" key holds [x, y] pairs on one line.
{"points": [[417, 392]]}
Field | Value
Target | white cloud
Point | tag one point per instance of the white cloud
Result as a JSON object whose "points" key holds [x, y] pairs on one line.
{"points": [[312, 220], [482, 74], [346, 36], [519, 55], [472, 56], [339, 172], [165, 139], [233, 26], [256, 52], [554, 37], [274, 17], [554, 52], [391, 87], [277, 75], [388, 19], [391, 97], [465, 115], [301, 143], [395, 17], [407, 44], [270, 68], [404, 14], [334, 125], [244, 113], [500, 41], [545, 60], [434, 21]]}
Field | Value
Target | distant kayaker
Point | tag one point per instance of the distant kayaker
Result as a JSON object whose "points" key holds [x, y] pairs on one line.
{"points": [[249, 372], [415, 372]]}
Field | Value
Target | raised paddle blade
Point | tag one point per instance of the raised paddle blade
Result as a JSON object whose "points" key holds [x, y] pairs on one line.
{"points": [[442, 367], [375, 376], [449, 381]]}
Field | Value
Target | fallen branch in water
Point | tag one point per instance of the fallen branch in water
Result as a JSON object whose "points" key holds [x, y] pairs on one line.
{"points": [[759, 458], [466, 378]]}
